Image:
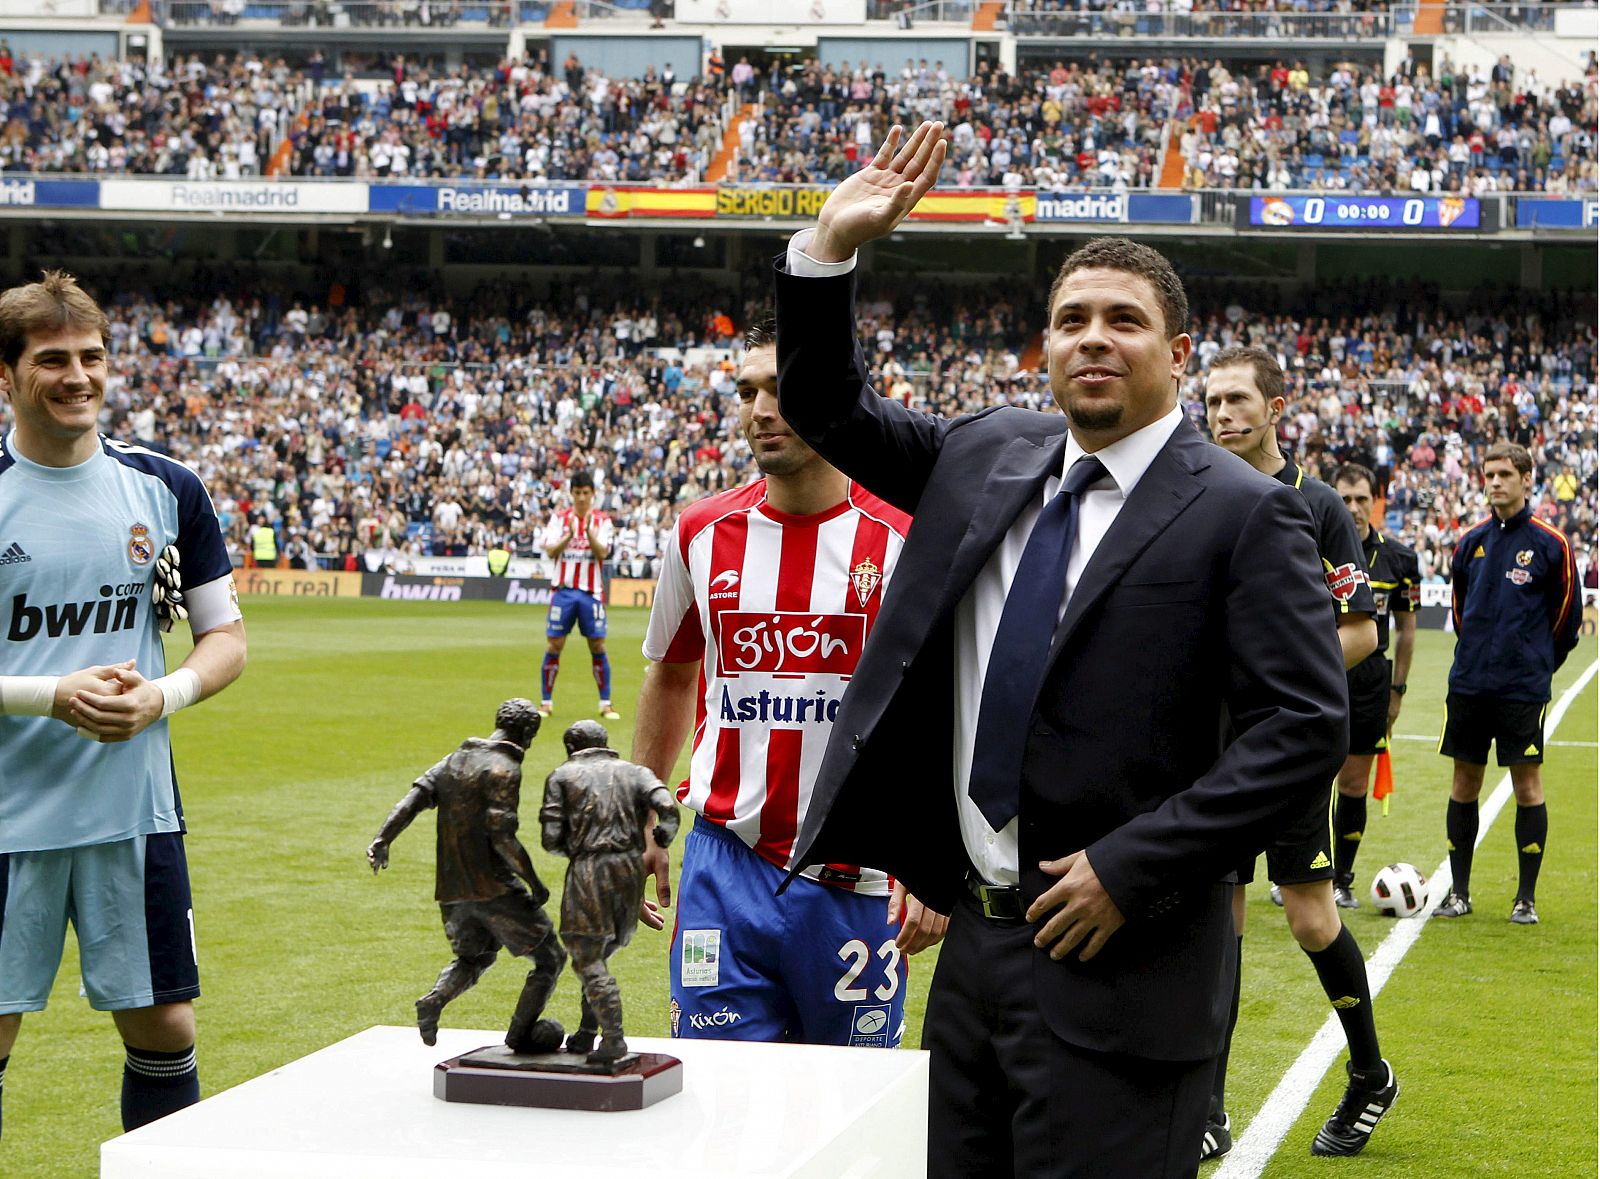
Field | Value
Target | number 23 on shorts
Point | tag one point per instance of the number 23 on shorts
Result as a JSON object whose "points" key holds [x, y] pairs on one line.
{"points": [[856, 955]]}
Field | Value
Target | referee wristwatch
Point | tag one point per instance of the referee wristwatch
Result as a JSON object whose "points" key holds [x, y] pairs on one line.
{"points": [[1398, 689]]}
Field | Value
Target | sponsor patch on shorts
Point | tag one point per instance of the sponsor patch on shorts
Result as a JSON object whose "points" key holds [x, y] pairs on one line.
{"points": [[869, 1026], [702, 1021], [702, 957]]}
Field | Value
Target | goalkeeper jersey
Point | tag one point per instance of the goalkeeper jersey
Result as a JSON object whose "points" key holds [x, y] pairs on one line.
{"points": [[78, 549]]}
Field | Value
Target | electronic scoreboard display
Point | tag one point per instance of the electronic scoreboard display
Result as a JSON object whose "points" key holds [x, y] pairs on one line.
{"points": [[1342, 211]]}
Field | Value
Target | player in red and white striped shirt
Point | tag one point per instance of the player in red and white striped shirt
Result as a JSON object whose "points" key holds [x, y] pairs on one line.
{"points": [[766, 596], [577, 540]]}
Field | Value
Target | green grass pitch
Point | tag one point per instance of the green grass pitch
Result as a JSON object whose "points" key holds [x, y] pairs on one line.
{"points": [[287, 776]]}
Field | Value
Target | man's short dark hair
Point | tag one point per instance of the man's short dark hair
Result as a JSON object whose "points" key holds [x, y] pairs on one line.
{"points": [[582, 479], [1356, 473], [763, 333], [1120, 253], [49, 305], [1517, 455], [1269, 376]]}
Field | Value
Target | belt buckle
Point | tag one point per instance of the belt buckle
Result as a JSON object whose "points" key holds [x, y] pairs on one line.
{"points": [[988, 902]]}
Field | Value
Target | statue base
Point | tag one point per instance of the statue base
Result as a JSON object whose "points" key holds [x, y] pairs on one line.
{"points": [[495, 1075]]}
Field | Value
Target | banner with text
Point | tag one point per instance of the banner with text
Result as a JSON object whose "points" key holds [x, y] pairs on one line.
{"points": [[410, 587], [17, 193], [1081, 206], [479, 200], [232, 196], [297, 583], [995, 206]]}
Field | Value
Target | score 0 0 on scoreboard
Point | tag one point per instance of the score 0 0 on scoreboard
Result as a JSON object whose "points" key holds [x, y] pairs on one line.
{"points": [[1363, 212]]}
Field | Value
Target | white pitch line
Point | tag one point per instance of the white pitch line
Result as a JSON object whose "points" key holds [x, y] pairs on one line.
{"points": [[1434, 740], [1283, 1107]]}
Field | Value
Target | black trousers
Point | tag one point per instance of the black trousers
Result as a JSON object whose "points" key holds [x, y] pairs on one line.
{"points": [[1009, 1097]]}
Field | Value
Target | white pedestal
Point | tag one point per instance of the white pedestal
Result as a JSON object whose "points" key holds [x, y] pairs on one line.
{"points": [[364, 1107]]}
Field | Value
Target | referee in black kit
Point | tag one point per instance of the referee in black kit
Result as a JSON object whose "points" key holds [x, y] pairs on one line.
{"points": [[1377, 686], [1244, 402]]}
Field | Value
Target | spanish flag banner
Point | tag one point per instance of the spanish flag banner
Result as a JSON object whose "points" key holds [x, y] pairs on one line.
{"points": [[617, 201], [943, 204]]}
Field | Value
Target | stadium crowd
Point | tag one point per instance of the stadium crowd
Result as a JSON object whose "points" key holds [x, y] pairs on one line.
{"points": [[1464, 131], [414, 424], [1089, 123], [225, 120]]}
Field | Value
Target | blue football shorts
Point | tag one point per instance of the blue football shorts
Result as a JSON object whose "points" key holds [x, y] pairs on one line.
{"points": [[573, 607], [817, 965], [130, 907]]}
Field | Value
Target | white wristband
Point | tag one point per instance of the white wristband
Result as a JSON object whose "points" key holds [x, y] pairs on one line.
{"points": [[27, 695], [178, 690]]}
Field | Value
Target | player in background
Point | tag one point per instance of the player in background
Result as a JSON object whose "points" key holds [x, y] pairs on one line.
{"points": [[1515, 601], [766, 597], [1244, 401], [577, 541], [101, 543], [1377, 688]]}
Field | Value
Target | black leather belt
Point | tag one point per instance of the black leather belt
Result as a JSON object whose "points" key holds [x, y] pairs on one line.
{"points": [[999, 902]]}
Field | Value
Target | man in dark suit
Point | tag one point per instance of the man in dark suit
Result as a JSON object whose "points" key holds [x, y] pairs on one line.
{"points": [[1076, 712]]}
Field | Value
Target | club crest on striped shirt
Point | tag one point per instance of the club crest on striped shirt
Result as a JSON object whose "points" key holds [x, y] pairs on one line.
{"points": [[865, 577]]}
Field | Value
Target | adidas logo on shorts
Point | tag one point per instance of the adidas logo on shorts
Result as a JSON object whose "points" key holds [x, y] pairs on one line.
{"points": [[14, 555]]}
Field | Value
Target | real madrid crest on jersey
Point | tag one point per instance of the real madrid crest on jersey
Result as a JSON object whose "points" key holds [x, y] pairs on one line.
{"points": [[865, 577], [140, 547]]}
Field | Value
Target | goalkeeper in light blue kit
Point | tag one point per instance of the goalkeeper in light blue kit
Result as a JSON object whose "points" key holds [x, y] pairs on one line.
{"points": [[102, 544]]}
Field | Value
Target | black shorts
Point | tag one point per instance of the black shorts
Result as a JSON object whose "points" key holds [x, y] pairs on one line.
{"points": [[1369, 708], [1515, 726], [1303, 851]]}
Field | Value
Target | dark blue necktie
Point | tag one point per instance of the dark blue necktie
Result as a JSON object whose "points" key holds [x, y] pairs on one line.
{"points": [[1021, 647]]}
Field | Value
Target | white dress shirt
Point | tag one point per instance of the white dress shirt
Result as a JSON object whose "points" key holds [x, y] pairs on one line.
{"points": [[994, 853]]}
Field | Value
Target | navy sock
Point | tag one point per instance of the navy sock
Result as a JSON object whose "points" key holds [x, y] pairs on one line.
{"points": [[1461, 829], [4, 1060], [1343, 974], [155, 1084], [1533, 828], [602, 676], [547, 676]]}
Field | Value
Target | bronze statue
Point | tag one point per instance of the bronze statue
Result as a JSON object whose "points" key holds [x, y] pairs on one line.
{"points": [[594, 813], [488, 892]]}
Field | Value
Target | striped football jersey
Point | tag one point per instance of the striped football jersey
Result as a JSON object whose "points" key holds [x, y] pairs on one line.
{"points": [[576, 567], [777, 609]]}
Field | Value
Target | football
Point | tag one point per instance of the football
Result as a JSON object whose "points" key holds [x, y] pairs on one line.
{"points": [[1399, 890]]}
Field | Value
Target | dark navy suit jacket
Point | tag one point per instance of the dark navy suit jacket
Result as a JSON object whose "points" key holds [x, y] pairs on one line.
{"points": [[1194, 703]]}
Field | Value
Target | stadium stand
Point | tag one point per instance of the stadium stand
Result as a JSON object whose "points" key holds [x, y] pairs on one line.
{"points": [[1079, 125]]}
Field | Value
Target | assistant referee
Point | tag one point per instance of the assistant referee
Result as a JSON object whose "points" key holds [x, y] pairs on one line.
{"points": [[1515, 602]]}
